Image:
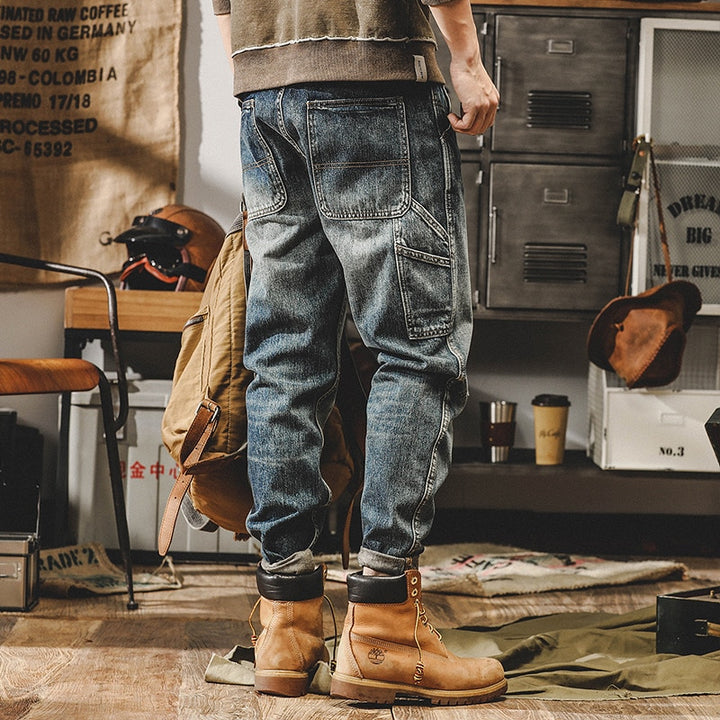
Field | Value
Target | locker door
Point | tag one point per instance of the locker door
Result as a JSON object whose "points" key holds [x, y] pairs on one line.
{"points": [[562, 85], [553, 242]]}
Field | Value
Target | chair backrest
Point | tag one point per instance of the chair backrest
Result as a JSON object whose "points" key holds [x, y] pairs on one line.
{"points": [[122, 389]]}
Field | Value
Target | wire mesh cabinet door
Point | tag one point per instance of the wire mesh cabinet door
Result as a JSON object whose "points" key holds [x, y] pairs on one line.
{"points": [[678, 101]]}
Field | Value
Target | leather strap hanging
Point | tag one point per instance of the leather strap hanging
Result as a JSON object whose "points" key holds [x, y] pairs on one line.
{"points": [[628, 211], [196, 439], [661, 216]]}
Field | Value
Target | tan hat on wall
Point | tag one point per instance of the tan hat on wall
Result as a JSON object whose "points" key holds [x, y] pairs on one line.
{"points": [[642, 337]]}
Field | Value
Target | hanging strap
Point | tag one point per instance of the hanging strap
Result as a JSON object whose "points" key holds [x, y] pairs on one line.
{"points": [[628, 211], [201, 428], [661, 217]]}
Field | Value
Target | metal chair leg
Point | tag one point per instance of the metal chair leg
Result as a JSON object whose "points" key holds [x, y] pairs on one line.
{"points": [[113, 455]]}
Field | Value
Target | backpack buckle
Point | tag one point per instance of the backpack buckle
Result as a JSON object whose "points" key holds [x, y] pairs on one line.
{"points": [[210, 406]]}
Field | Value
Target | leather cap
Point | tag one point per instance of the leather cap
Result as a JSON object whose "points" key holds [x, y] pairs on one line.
{"points": [[642, 337]]}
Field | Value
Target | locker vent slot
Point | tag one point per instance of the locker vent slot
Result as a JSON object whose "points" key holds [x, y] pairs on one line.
{"points": [[559, 109], [555, 263]]}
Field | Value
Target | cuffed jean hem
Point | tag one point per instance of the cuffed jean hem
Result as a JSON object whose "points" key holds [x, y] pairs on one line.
{"points": [[385, 563], [298, 563]]}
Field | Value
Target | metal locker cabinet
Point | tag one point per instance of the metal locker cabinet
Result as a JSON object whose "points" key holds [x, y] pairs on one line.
{"points": [[562, 85], [553, 242]]}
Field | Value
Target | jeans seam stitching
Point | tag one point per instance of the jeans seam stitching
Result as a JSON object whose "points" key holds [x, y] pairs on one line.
{"points": [[432, 469], [281, 122]]}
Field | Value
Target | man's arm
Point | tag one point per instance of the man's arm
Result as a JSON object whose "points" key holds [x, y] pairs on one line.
{"points": [[478, 96], [224, 25]]}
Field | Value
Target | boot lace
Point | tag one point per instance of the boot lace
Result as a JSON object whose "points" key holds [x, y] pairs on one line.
{"points": [[333, 662], [253, 634], [420, 619]]}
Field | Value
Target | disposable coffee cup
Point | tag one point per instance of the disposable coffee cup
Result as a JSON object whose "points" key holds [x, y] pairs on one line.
{"points": [[551, 414], [497, 429]]}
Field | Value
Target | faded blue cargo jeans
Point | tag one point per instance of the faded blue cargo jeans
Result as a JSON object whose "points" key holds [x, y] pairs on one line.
{"points": [[354, 200]]}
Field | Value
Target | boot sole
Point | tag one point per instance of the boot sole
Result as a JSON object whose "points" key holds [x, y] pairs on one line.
{"points": [[288, 683], [384, 693]]}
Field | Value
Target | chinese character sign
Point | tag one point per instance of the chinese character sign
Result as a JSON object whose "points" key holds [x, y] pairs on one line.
{"points": [[89, 124]]}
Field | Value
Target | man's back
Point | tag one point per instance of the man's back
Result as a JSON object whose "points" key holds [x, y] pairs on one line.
{"points": [[277, 43]]}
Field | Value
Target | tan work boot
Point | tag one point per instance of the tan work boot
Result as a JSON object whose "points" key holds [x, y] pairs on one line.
{"points": [[291, 643], [389, 648]]}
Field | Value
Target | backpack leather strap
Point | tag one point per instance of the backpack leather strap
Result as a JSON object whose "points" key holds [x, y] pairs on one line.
{"points": [[198, 434]]}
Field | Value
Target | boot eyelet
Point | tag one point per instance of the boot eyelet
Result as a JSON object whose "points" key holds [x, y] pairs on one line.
{"points": [[414, 592], [413, 580]]}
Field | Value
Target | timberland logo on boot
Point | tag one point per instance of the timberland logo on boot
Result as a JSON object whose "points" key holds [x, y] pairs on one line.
{"points": [[376, 656]]}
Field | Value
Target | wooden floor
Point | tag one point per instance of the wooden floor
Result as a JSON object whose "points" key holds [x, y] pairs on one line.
{"points": [[91, 659]]}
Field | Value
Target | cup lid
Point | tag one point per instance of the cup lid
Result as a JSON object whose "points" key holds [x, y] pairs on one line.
{"points": [[548, 400]]}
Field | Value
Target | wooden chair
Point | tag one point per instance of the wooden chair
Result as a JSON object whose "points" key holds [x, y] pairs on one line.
{"points": [[64, 375]]}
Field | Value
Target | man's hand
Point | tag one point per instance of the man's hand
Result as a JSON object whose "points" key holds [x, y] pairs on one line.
{"points": [[478, 95]]}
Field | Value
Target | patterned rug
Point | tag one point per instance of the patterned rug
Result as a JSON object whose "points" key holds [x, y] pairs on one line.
{"points": [[490, 570], [79, 570]]}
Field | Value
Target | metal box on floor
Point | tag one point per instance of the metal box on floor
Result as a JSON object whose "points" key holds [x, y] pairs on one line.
{"points": [[688, 623], [148, 476], [19, 570]]}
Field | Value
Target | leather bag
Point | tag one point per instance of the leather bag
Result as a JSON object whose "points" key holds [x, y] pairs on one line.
{"points": [[204, 426], [642, 337]]}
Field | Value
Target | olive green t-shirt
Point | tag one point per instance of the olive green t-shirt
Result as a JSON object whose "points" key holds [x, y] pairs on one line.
{"points": [[284, 42]]}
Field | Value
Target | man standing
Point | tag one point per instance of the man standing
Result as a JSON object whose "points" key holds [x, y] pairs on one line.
{"points": [[351, 177]]}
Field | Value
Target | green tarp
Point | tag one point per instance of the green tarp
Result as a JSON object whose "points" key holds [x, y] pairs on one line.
{"points": [[588, 656]]}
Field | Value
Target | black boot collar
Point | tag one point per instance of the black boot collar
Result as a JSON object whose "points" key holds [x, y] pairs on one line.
{"points": [[376, 588], [290, 587]]}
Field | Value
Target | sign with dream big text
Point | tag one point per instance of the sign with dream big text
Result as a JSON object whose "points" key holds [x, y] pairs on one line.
{"points": [[690, 193], [89, 125]]}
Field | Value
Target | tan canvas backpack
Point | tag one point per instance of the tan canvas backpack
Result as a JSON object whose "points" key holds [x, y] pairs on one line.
{"points": [[204, 426]]}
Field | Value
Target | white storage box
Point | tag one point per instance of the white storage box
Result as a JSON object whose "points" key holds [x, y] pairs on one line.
{"points": [[658, 428], [148, 474]]}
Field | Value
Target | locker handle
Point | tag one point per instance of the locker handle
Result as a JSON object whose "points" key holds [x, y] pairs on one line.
{"points": [[561, 47], [556, 197], [9, 571], [492, 236], [498, 77]]}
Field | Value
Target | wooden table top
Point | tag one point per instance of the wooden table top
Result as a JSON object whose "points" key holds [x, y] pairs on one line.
{"points": [[138, 310]]}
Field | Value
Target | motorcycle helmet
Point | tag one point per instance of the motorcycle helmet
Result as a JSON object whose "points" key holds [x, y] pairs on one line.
{"points": [[172, 248]]}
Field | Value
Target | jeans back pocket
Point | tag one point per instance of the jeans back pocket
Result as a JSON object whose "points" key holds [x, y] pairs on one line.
{"points": [[360, 157]]}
